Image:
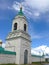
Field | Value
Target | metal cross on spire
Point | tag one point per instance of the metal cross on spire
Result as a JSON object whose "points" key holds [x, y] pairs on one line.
{"points": [[21, 5], [20, 12]]}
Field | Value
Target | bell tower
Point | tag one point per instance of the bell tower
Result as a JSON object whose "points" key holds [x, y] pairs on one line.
{"points": [[19, 22], [19, 40]]}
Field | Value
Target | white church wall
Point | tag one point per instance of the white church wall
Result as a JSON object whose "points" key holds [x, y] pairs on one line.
{"points": [[25, 45], [12, 45], [37, 59], [5, 58], [17, 44]]}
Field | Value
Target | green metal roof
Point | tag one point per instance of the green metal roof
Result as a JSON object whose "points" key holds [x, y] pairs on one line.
{"points": [[8, 52], [37, 56], [2, 51], [20, 12]]}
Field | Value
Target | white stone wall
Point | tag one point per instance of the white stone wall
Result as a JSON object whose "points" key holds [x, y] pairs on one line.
{"points": [[12, 44], [16, 44], [5, 58], [25, 45], [37, 59], [19, 46]]}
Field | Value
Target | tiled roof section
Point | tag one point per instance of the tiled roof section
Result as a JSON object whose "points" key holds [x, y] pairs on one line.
{"points": [[2, 51]]}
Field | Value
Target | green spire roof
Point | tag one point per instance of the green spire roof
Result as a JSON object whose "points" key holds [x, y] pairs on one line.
{"points": [[20, 12]]}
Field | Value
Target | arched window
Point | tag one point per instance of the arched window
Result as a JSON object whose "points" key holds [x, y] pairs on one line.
{"points": [[24, 27], [15, 26]]}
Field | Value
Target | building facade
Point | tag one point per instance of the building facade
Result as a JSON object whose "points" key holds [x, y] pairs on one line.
{"points": [[18, 43], [19, 40]]}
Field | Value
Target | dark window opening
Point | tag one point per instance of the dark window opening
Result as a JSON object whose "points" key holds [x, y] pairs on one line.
{"points": [[15, 26], [24, 27], [46, 59], [25, 57]]}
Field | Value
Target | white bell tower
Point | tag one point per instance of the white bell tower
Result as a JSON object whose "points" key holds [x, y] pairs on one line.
{"points": [[19, 40]]}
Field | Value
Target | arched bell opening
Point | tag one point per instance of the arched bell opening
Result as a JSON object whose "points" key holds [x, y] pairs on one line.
{"points": [[15, 26]]}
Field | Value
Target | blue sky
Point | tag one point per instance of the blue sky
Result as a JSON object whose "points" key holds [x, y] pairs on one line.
{"points": [[36, 13]]}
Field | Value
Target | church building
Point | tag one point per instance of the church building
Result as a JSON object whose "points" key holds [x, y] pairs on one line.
{"points": [[18, 43], [18, 40]]}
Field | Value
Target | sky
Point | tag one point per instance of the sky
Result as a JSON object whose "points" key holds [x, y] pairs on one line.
{"points": [[37, 14]]}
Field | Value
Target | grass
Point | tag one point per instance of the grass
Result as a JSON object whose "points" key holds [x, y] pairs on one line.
{"points": [[23, 64], [33, 63], [39, 63], [36, 63], [8, 64]]}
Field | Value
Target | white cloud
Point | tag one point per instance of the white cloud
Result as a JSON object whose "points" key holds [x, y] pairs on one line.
{"points": [[16, 5], [38, 4], [34, 52], [36, 14], [32, 8], [3, 45], [26, 8], [40, 50], [41, 47], [47, 50]]}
